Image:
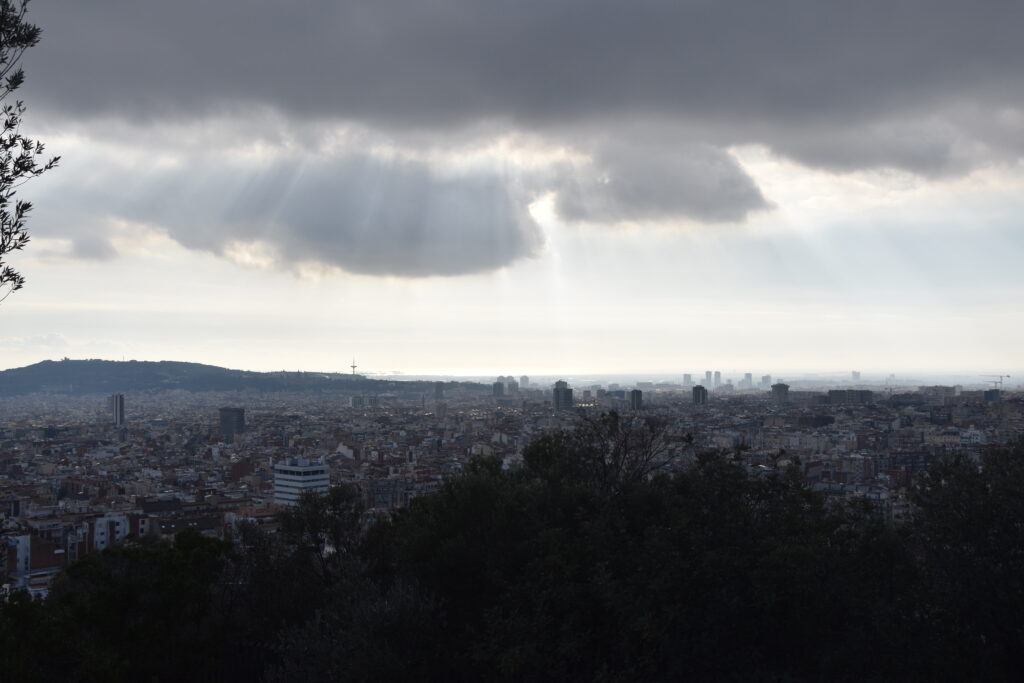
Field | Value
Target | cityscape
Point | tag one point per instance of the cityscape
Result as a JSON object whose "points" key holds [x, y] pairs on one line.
{"points": [[81, 472]]}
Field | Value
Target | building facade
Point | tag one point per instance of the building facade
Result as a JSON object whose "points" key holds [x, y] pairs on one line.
{"points": [[562, 396], [294, 477]]}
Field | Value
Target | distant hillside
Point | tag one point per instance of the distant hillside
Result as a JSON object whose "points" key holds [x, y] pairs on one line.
{"points": [[104, 376]]}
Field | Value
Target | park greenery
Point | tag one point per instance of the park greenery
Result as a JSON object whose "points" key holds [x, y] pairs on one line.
{"points": [[569, 567]]}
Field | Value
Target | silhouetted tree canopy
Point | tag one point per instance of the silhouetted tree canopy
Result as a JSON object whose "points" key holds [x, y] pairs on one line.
{"points": [[570, 567]]}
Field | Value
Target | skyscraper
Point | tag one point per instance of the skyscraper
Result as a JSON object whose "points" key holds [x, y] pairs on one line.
{"points": [[524, 382], [855, 375], [562, 396], [718, 379], [700, 395], [780, 393], [636, 399], [766, 381], [707, 378], [117, 409], [232, 423], [687, 380], [498, 388]]}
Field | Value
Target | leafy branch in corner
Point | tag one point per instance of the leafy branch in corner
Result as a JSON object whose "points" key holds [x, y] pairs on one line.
{"points": [[21, 157]]}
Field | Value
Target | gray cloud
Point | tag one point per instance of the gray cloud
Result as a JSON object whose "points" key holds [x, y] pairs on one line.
{"points": [[630, 182], [739, 71], [653, 93], [354, 212], [92, 247]]}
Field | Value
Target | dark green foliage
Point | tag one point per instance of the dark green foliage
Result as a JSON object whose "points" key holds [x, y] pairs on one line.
{"points": [[140, 613], [970, 532], [571, 567], [27, 632]]}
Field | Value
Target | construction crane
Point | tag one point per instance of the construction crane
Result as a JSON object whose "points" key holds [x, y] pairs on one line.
{"points": [[998, 382]]}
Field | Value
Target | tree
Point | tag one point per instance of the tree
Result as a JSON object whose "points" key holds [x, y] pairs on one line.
{"points": [[969, 527], [21, 158], [607, 452]]}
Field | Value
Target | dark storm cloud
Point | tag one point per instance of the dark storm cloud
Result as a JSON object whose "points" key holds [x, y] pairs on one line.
{"points": [[770, 68], [929, 86], [360, 214]]}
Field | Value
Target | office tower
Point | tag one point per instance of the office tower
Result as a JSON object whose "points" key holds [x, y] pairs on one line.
{"points": [[780, 393], [700, 395], [766, 381], [707, 378], [295, 476], [117, 409], [512, 387], [232, 423], [562, 396], [524, 382], [718, 379], [498, 388], [687, 380], [855, 376], [748, 381], [438, 390], [636, 399]]}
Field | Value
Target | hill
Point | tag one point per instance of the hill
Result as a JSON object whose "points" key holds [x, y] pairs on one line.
{"points": [[104, 376]]}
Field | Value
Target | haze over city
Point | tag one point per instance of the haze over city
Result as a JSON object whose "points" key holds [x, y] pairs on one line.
{"points": [[542, 188]]}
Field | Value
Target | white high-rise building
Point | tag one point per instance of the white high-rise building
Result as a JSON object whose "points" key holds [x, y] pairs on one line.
{"points": [[296, 476]]}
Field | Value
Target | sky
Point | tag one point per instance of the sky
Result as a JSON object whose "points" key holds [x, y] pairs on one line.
{"points": [[528, 186]]}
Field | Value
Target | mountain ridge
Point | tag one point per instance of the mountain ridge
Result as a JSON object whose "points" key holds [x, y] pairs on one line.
{"points": [[93, 376]]}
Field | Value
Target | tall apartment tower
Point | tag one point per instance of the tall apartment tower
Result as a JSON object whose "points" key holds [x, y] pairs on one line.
{"points": [[295, 476], [636, 399], [562, 397], [780, 393], [766, 381], [524, 382], [687, 380], [718, 379], [232, 423], [707, 378], [117, 409], [700, 395], [855, 375], [498, 388]]}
